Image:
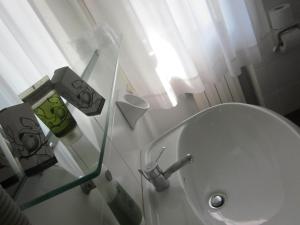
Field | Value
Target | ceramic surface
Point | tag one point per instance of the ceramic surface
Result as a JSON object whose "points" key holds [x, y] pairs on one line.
{"points": [[249, 154], [132, 107]]}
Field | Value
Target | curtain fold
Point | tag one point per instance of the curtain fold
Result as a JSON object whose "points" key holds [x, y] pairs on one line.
{"points": [[169, 47], [172, 47], [27, 51]]}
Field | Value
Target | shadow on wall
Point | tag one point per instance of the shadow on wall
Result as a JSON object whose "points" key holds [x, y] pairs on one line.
{"points": [[164, 119]]}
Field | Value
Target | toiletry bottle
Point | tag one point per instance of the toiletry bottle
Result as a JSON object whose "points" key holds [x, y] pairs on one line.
{"points": [[125, 209]]}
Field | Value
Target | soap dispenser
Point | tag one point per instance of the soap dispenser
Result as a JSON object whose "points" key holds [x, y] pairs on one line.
{"points": [[125, 209], [26, 139], [76, 91]]}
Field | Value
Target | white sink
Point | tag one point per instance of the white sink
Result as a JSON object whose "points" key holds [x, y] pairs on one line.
{"points": [[248, 154]]}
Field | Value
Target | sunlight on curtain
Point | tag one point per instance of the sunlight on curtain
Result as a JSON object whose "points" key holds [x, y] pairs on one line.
{"points": [[27, 51], [172, 47], [168, 65]]}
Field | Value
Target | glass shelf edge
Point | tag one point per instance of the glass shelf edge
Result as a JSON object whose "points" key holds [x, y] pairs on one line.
{"points": [[77, 181]]}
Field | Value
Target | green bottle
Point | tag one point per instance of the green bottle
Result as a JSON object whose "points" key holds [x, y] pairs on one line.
{"points": [[49, 107], [54, 113]]}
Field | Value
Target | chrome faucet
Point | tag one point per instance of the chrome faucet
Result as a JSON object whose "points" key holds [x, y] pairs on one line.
{"points": [[159, 178]]}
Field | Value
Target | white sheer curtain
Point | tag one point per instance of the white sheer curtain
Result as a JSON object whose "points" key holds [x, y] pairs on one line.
{"points": [[169, 46], [175, 46], [27, 51]]}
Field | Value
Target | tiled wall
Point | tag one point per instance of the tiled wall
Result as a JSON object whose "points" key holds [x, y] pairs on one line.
{"points": [[278, 75]]}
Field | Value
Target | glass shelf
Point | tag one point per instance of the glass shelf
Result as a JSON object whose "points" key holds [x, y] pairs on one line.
{"points": [[86, 156]]}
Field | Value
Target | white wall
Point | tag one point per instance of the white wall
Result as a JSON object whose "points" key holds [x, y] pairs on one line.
{"points": [[278, 75]]}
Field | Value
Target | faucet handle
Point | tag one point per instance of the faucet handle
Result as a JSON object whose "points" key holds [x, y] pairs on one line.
{"points": [[152, 169], [144, 174], [163, 149]]}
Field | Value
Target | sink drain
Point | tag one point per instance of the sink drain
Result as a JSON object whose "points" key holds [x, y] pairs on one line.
{"points": [[216, 201]]}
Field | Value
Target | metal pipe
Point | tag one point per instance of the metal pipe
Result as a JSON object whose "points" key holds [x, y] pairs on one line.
{"points": [[281, 34], [177, 165]]}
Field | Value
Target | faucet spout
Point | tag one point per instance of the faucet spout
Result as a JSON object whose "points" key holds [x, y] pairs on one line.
{"points": [[155, 175], [177, 165]]}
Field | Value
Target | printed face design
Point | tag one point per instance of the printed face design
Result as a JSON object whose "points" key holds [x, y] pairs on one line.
{"points": [[85, 93], [25, 138], [88, 100], [77, 92], [29, 139]]}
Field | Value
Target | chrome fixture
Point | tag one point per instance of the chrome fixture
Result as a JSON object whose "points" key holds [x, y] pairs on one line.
{"points": [[216, 200], [279, 45], [159, 178]]}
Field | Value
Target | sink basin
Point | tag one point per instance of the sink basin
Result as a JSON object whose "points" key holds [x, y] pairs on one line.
{"points": [[248, 154]]}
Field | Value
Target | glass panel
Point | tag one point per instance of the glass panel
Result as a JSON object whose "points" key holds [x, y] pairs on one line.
{"points": [[79, 162]]}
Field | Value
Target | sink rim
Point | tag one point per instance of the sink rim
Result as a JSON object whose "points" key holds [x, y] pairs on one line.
{"points": [[183, 123], [290, 130], [149, 149]]}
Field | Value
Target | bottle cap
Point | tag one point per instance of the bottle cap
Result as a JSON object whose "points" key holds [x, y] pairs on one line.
{"points": [[37, 91]]}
